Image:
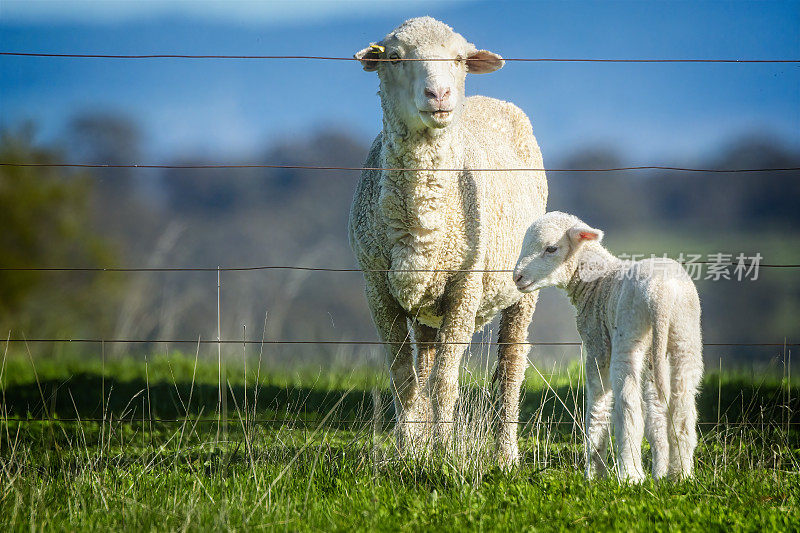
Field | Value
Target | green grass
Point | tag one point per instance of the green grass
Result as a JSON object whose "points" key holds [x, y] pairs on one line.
{"points": [[314, 451]]}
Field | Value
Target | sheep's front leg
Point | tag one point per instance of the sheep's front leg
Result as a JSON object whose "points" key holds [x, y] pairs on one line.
{"points": [[458, 324], [626, 371], [511, 364], [599, 400], [409, 404], [425, 340]]}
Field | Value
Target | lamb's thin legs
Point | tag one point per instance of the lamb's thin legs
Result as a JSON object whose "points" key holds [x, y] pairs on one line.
{"points": [[682, 415], [655, 426], [599, 399], [626, 371], [511, 363]]}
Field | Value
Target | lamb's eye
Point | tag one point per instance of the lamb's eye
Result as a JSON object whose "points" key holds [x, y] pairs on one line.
{"points": [[458, 60], [551, 249], [395, 58]]}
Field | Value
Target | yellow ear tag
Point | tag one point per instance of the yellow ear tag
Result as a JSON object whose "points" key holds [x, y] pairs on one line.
{"points": [[378, 48]]}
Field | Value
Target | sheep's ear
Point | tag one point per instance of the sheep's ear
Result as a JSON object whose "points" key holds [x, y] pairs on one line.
{"points": [[483, 62], [580, 233], [368, 55]]}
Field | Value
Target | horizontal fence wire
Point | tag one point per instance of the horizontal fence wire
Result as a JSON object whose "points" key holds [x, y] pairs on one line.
{"points": [[348, 343], [328, 269], [341, 168], [398, 169], [340, 58], [289, 421]]}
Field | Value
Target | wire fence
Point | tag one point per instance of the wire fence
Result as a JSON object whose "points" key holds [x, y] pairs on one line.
{"points": [[300, 422], [343, 58], [349, 342], [330, 269], [219, 341], [397, 169]]}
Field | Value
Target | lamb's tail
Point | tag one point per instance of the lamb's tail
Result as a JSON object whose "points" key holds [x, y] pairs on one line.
{"points": [[660, 311]]}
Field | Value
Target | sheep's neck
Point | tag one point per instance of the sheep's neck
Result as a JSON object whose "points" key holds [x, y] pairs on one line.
{"points": [[413, 206], [583, 292], [412, 202]]}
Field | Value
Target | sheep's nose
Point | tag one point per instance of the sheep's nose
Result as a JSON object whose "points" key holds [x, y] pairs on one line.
{"points": [[517, 278], [440, 94]]}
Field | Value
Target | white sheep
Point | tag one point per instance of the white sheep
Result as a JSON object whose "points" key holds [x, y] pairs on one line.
{"points": [[428, 240], [640, 324]]}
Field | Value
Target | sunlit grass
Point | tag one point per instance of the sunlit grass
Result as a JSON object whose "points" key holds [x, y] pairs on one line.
{"points": [[315, 452]]}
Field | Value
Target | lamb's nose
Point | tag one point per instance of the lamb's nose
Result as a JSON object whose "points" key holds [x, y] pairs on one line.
{"points": [[440, 94], [517, 278]]}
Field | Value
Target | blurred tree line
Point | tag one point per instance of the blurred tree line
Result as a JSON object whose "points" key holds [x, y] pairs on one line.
{"points": [[752, 201], [45, 216], [249, 217]]}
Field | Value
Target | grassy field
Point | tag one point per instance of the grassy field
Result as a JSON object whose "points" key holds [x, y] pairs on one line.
{"points": [[124, 445]]}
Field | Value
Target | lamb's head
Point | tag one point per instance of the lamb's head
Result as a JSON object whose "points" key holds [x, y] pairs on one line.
{"points": [[551, 251], [425, 94]]}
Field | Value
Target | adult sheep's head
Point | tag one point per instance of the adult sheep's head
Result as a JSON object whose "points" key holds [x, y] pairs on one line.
{"points": [[425, 94]]}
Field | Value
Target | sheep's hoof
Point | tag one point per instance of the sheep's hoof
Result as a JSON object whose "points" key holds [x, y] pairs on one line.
{"points": [[508, 458], [409, 438], [414, 435]]}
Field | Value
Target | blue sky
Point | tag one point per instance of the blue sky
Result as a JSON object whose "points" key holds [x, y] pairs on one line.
{"points": [[661, 113]]}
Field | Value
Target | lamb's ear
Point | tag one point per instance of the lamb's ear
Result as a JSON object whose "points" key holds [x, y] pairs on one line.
{"points": [[483, 62], [580, 233], [368, 55]]}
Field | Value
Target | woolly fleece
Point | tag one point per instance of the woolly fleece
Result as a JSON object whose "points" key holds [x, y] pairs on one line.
{"points": [[427, 227], [640, 324]]}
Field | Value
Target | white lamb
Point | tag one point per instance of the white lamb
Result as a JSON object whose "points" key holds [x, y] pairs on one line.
{"points": [[429, 239], [640, 323]]}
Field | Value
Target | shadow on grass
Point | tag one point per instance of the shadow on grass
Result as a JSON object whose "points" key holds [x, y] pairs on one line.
{"points": [[82, 395]]}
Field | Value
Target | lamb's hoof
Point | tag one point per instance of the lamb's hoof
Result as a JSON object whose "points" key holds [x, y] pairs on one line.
{"points": [[633, 478], [660, 475], [595, 473], [679, 475]]}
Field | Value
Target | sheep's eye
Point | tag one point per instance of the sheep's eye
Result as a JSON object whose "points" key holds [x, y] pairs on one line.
{"points": [[395, 58], [458, 60], [551, 249]]}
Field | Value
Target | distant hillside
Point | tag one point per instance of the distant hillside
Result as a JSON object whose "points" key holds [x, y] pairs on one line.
{"points": [[248, 217]]}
